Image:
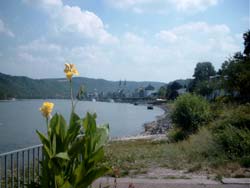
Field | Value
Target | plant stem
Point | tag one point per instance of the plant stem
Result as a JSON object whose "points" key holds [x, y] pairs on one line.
{"points": [[71, 93], [47, 123]]}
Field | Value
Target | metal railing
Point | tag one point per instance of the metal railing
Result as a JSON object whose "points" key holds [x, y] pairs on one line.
{"points": [[18, 168]]}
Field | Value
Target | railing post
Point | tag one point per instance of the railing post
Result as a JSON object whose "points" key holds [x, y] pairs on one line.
{"points": [[38, 159], [0, 172], [12, 170], [13, 167], [23, 168], [33, 165], [17, 169], [28, 166], [5, 171]]}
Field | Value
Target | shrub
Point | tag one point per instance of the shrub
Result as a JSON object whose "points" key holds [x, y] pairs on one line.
{"points": [[238, 117], [176, 135], [190, 112], [232, 133], [235, 142]]}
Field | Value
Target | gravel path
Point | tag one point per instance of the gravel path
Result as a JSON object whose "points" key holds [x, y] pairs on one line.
{"points": [[162, 183]]}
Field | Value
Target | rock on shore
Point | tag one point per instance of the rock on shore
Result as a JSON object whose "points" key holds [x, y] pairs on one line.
{"points": [[161, 125]]}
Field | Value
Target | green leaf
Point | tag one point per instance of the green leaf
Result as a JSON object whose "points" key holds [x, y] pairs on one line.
{"points": [[53, 122], [93, 175], [43, 138], [74, 128], [47, 150], [97, 155], [103, 131], [77, 147], [63, 155], [73, 119], [67, 185], [53, 144], [79, 173]]}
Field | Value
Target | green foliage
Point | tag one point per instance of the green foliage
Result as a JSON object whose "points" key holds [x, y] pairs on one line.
{"points": [[235, 142], [171, 92], [175, 135], [72, 154], [236, 74], [162, 92], [232, 132], [203, 71], [190, 112], [71, 159], [246, 37], [202, 84], [24, 87], [204, 88]]}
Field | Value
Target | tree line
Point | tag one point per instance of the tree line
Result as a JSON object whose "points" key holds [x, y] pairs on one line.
{"points": [[231, 81]]}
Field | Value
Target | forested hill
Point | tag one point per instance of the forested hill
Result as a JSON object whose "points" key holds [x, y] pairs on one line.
{"points": [[24, 87]]}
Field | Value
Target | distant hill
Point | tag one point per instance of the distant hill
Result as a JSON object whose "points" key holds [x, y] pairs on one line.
{"points": [[24, 87]]}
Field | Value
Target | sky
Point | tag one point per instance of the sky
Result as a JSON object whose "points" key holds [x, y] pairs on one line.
{"points": [[139, 40]]}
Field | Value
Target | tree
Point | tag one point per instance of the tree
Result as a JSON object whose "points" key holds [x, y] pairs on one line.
{"points": [[175, 86], [162, 92], [236, 72], [236, 75], [172, 90], [246, 37], [203, 71]]}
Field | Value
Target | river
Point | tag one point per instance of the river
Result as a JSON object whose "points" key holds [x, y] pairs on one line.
{"points": [[19, 119]]}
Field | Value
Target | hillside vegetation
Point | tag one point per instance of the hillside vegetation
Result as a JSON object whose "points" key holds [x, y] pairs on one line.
{"points": [[24, 87]]}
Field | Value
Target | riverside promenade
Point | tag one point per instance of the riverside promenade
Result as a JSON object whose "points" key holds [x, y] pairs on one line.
{"points": [[172, 183]]}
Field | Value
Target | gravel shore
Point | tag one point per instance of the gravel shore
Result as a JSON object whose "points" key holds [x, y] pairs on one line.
{"points": [[161, 125], [152, 130]]}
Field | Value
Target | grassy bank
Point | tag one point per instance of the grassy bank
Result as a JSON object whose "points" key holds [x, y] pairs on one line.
{"points": [[133, 157], [201, 152]]}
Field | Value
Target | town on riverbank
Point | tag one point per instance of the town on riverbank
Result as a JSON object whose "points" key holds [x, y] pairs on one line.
{"points": [[125, 94]]}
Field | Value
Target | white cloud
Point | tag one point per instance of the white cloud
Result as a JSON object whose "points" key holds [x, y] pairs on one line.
{"points": [[41, 46], [74, 20], [160, 6], [201, 34], [5, 30], [167, 36], [132, 38], [193, 5], [41, 51], [199, 41], [171, 54]]}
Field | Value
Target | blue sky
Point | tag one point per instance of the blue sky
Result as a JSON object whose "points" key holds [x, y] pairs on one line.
{"points": [[154, 40]]}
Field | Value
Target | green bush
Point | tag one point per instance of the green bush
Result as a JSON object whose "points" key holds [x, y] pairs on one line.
{"points": [[238, 117], [190, 112], [175, 135], [232, 133], [235, 142]]}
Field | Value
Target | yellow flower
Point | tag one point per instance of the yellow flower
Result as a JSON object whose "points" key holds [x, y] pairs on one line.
{"points": [[70, 70], [46, 109]]}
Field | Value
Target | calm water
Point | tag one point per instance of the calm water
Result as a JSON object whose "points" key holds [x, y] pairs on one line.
{"points": [[20, 119]]}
